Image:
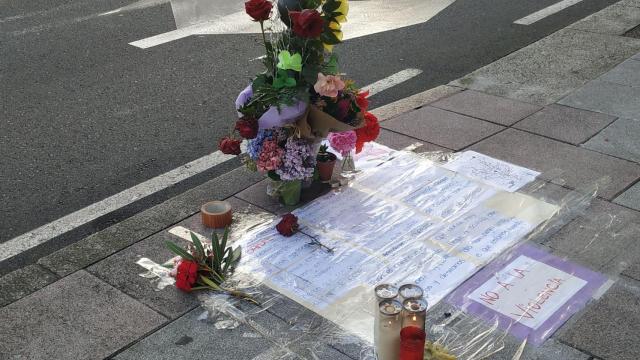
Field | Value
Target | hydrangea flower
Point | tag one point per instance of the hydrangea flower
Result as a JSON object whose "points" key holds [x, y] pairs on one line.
{"points": [[299, 161]]}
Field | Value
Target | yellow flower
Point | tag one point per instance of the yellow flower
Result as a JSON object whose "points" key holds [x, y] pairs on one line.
{"points": [[344, 10], [336, 28]]}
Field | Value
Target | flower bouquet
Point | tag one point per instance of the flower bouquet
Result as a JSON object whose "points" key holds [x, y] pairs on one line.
{"points": [[300, 98]]}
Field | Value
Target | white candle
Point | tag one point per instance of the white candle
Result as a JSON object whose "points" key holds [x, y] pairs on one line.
{"points": [[388, 329], [382, 292]]}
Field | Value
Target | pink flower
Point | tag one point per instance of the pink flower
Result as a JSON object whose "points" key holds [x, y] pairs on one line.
{"points": [[270, 156], [343, 141], [328, 85]]}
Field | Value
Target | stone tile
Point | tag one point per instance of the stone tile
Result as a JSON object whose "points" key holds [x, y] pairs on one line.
{"points": [[117, 237], [610, 328], [636, 56], [78, 317], [442, 127], [554, 350], [565, 123], [575, 167], [621, 139], [192, 338], [121, 271], [612, 20], [22, 282], [600, 236], [633, 271], [630, 198], [627, 73], [551, 68], [398, 141], [614, 99], [487, 107], [414, 101]]}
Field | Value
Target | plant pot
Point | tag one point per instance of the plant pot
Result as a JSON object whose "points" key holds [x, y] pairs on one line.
{"points": [[325, 169], [290, 192]]}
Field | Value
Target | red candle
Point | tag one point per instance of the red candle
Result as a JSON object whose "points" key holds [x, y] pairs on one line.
{"points": [[412, 343]]}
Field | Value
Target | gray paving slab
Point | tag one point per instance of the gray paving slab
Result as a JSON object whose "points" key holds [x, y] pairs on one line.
{"points": [[566, 123], [612, 20], [78, 317], [117, 237], [257, 195], [487, 107], [551, 68], [398, 141], [414, 101], [121, 271], [600, 236], [441, 127], [627, 73], [606, 97], [636, 56], [195, 337], [610, 328], [22, 282], [633, 271], [630, 198], [621, 139], [560, 162]]}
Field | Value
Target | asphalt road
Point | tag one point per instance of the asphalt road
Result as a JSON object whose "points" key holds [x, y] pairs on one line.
{"points": [[85, 115]]}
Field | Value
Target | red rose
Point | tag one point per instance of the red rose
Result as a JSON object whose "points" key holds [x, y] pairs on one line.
{"points": [[259, 10], [307, 23], [368, 132], [187, 275], [229, 146], [288, 225], [344, 106], [247, 127], [362, 101]]}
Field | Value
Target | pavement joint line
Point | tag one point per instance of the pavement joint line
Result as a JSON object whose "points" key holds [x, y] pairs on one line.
{"points": [[75, 219], [548, 11]]}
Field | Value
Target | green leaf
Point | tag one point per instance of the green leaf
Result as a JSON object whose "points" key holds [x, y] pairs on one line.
{"points": [[225, 237], [179, 251], [237, 254], [198, 245], [210, 283], [328, 37], [273, 176], [330, 6], [331, 67], [217, 252]]}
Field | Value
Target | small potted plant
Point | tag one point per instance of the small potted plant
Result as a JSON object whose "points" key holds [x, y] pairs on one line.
{"points": [[326, 162]]}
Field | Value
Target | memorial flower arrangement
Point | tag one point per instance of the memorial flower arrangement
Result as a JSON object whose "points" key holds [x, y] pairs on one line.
{"points": [[204, 266], [300, 97]]}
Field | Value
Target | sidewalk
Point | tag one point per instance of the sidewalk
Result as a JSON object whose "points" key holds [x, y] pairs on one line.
{"points": [[567, 106]]}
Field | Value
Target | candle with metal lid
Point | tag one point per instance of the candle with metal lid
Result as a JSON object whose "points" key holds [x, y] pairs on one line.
{"points": [[413, 335], [410, 291], [383, 292], [388, 329]]}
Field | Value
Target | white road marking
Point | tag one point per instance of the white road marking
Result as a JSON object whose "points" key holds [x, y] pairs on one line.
{"points": [[69, 222], [391, 81], [142, 4], [200, 17], [549, 10]]}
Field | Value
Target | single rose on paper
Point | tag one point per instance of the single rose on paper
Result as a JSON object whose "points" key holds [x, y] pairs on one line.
{"points": [[229, 146], [288, 225], [307, 23], [259, 10]]}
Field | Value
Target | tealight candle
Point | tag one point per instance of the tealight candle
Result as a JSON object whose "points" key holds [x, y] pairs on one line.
{"points": [[410, 291], [388, 329]]}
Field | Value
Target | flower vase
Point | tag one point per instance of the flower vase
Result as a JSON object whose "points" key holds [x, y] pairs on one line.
{"points": [[290, 192], [348, 165]]}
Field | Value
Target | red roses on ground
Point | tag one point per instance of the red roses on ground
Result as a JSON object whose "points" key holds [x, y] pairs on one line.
{"points": [[368, 132], [229, 146], [307, 23], [247, 127], [259, 10], [288, 225], [187, 275]]}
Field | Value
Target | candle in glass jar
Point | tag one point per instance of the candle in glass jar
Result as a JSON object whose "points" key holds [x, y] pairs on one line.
{"points": [[382, 292], [388, 326], [413, 335], [414, 313], [410, 291]]}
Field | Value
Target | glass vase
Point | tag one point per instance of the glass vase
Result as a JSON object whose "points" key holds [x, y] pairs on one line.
{"points": [[348, 168], [290, 192]]}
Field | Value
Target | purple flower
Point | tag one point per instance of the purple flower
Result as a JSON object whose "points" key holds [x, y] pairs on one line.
{"points": [[298, 162]]}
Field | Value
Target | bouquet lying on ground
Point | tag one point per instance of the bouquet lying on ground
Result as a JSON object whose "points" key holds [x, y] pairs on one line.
{"points": [[204, 266], [301, 96]]}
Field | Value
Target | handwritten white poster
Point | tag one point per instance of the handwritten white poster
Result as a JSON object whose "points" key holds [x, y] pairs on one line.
{"points": [[528, 291]]}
